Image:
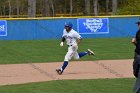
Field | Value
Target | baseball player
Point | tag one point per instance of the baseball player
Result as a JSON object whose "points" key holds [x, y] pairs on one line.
{"points": [[72, 39]]}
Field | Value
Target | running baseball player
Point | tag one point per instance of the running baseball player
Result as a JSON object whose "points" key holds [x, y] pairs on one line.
{"points": [[72, 39]]}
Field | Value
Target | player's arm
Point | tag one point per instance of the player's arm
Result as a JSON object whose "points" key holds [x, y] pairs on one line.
{"points": [[134, 41], [63, 38], [62, 41], [79, 40]]}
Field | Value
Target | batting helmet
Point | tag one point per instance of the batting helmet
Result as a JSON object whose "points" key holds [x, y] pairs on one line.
{"points": [[69, 24]]}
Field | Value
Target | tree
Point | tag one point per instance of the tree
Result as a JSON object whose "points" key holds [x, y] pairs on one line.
{"points": [[107, 4], [31, 8], [52, 7], [114, 7], [95, 6], [46, 8], [71, 7], [87, 7], [3, 8], [10, 8], [17, 7]]}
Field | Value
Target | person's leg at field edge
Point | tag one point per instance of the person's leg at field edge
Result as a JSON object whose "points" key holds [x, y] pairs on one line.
{"points": [[74, 54]]}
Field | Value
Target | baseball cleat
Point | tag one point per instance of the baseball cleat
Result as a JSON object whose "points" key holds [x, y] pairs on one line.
{"points": [[90, 52], [59, 71]]}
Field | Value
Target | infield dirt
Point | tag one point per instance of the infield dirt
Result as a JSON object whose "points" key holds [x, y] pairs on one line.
{"points": [[38, 72]]}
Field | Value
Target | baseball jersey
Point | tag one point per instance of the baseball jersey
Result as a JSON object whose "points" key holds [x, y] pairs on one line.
{"points": [[71, 37]]}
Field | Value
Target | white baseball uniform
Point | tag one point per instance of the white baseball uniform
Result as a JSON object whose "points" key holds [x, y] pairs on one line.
{"points": [[71, 40]]}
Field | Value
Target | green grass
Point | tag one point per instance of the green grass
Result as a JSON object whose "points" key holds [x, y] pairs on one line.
{"points": [[74, 86], [50, 51]]}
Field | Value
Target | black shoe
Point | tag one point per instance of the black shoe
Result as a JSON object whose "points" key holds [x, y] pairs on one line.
{"points": [[59, 71], [90, 52]]}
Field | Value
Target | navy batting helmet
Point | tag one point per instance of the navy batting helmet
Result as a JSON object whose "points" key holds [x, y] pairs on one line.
{"points": [[69, 24]]}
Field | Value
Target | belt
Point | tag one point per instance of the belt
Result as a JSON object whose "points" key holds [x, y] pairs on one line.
{"points": [[69, 45]]}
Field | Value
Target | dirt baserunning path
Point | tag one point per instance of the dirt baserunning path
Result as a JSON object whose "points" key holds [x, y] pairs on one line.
{"points": [[38, 72]]}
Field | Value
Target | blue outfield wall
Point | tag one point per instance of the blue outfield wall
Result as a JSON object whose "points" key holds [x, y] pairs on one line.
{"points": [[34, 29]]}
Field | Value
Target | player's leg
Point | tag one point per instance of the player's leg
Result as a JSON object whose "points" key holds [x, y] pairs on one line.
{"points": [[81, 54], [68, 57], [88, 52]]}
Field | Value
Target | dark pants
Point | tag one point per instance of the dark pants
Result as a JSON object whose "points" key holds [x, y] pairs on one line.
{"points": [[138, 91], [136, 72], [137, 84]]}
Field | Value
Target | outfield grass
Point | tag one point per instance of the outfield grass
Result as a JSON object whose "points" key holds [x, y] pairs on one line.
{"points": [[74, 86], [50, 51]]}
